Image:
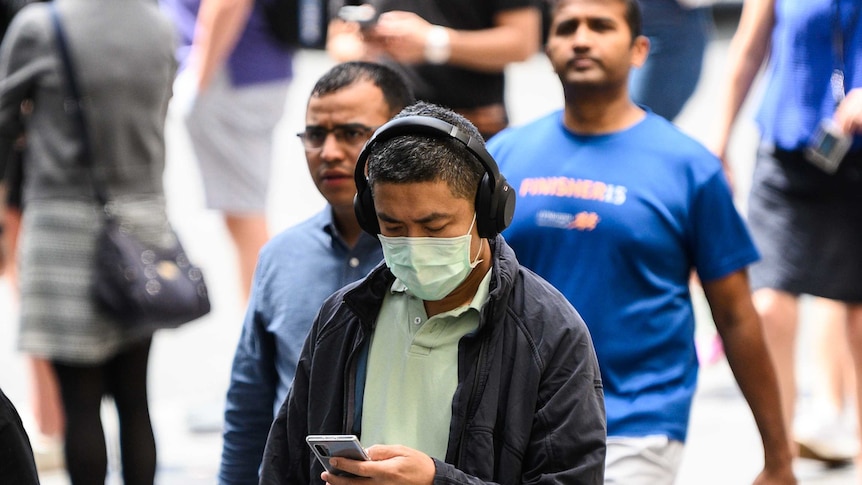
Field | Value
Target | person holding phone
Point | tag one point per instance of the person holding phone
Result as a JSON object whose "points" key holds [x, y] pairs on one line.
{"points": [[452, 53], [450, 361], [805, 205]]}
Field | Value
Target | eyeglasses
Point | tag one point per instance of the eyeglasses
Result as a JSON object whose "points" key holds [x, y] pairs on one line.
{"points": [[352, 135]]}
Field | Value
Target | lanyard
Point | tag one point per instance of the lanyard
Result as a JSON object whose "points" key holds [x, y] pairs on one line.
{"points": [[837, 79]]}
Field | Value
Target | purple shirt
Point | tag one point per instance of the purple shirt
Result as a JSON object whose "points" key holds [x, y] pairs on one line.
{"points": [[257, 56]]}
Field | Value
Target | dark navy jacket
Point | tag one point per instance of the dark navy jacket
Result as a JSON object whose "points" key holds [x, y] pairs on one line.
{"points": [[528, 408]]}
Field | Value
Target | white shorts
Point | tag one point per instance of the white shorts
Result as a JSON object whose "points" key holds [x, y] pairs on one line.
{"points": [[231, 131], [647, 460]]}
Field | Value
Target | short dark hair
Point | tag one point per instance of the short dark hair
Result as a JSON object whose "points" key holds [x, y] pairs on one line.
{"points": [[396, 92], [423, 158], [634, 18]]}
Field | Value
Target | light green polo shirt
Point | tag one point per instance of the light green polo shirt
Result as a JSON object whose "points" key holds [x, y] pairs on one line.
{"points": [[413, 371]]}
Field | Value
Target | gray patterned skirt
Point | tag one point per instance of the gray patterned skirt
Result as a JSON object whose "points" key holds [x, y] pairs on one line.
{"points": [[59, 318]]}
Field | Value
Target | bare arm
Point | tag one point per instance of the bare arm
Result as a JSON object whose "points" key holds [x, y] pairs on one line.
{"points": [[741, 331], [748, 50], [515, 37], [219, 26]]}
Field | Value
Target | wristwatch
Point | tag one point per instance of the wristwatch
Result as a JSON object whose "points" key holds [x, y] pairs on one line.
{"points": [[437, 48]]}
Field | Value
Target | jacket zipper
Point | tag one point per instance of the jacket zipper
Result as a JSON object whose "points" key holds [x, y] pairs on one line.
{"points": [[470, 401]]}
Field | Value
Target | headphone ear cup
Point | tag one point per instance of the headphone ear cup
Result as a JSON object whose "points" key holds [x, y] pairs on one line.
{"points": [[363, 206], [505, 205], [494, 208], [485, 223]]}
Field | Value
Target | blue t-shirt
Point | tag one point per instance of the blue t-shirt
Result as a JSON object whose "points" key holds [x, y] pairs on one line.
{"points": [[798, 94], [297, 270], [617, 222]]}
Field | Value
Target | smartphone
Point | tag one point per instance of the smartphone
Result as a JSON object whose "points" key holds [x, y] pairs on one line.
{"points": [[828, 146], [365, 15], [339, 445]]}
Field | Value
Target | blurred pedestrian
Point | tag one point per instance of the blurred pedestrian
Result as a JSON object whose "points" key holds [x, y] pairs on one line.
{"points": [[299, 268], [123, 58], [452, 53], [805, 205], [678, 34], [47, 413], [231, 92], [616, 208]]}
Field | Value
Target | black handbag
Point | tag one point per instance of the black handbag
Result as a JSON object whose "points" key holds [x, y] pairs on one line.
{"points": [[156, 287]]}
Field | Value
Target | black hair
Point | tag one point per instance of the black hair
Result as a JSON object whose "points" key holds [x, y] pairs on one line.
{"points": [[634, 18], [395, 91], [422, 158]]}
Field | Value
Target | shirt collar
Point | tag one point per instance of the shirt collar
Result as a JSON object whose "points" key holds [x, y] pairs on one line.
{"points": [[326, 223]]}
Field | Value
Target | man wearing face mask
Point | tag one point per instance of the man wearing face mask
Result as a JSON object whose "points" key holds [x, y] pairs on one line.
{"points": [[451, 360]]}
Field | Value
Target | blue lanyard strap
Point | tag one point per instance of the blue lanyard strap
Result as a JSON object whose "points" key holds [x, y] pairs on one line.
{"points": [[837, 80]]}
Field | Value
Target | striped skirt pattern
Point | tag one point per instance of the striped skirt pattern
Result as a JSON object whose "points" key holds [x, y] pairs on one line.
{"points": [[59, 318]]}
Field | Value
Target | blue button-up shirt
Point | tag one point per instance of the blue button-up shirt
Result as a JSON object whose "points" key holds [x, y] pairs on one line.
{"points": [[297, 270]]}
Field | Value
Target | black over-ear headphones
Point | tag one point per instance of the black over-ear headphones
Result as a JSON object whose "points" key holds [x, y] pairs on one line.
{"points": [[495, 198]]}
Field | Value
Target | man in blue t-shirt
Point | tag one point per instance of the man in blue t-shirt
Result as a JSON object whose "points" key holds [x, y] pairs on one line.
{"points": [[616, 207]]}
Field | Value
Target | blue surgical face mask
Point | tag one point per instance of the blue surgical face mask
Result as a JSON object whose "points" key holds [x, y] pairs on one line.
{"points": [[430, 267]]}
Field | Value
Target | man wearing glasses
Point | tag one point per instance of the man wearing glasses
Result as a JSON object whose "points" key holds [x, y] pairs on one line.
{"points": [[303, 265]]}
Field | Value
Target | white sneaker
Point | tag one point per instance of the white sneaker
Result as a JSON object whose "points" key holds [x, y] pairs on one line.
{"points": [[826, 437], [47, 452]]}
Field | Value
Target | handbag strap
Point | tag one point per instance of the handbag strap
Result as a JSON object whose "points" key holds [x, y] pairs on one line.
{"points": [[75, 105]]}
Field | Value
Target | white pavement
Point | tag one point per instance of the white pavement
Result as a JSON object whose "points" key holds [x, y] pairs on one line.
{"points": [[190, 366]]}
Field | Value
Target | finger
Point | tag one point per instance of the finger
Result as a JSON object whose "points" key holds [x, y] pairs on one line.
{"points": [[848, 115], [332, 479], [351, 466], [843, 121]]}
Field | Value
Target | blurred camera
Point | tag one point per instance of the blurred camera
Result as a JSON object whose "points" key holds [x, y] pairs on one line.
{"points": [[365, 15], [828, 147]]}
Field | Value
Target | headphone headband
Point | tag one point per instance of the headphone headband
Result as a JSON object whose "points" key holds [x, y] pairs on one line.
{"points": [[495, 199], [427, 126]]}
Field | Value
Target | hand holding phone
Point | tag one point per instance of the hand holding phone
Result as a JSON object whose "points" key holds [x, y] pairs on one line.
{"points": [[365, 15], [342, 445], [828, 146]]}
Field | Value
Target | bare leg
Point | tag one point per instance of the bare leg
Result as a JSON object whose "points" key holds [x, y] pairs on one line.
{"points": [[46, 398], [833, 361], [249, 233], [854, 338], [779, 313], [821, 432]]}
